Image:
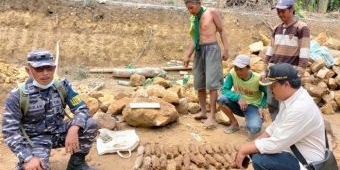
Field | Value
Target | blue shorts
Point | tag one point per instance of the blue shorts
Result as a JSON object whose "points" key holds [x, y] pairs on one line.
{"points": [[253, 119]]}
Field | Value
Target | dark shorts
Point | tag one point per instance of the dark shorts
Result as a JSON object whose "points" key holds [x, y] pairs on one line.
{"points": [[208, 71]]}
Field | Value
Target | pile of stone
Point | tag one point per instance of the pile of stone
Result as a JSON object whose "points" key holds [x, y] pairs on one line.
{"points": [[173, 97], [322, 81]]}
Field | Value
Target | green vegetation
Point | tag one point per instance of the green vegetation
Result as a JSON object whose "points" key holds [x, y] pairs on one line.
{"points": [[317, 5], [298, 8], [334, 5]]}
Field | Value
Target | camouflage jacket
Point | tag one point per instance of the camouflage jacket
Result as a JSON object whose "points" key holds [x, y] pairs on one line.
{"points": [[45, 116]]}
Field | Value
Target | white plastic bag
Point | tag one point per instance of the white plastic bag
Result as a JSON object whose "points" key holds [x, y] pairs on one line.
{"points": [[117, 142]]}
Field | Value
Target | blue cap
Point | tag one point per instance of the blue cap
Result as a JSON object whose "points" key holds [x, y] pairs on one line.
{"points": [[39, 58], [280, 71], [284, 4]]}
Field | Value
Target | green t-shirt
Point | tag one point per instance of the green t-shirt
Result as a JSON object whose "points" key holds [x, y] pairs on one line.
{"points": [[250, 90]]}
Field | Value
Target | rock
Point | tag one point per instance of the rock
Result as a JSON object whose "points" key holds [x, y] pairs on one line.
{"points": [[221, 118], [316, 91], [337, 80], [327, 98], [161, 81], [333, 44], [322, 84], [317, 65], [104, 107], [321, 39], [183, 106], [105, 120], [327, 109], [336, 69], [166, 114], [265, 40], [179, 90], [194, 108], [96, 94], [191, 95], [337, 97], [155, 90], [141, 92], [92, 104], [332, 84], [334, 105], [121, 95], [137, 80], [256, 47], [117, 106], [107, 99], [170, 97], [325, 73]]}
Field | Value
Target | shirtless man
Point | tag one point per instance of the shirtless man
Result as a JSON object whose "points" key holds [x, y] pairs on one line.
{"points": [[208, 71]]}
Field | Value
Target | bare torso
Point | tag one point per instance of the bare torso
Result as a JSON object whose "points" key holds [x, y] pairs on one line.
{"points": [[207, 27]]}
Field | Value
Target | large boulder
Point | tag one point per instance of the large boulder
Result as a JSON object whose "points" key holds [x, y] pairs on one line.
{"points": [[144, 117]]}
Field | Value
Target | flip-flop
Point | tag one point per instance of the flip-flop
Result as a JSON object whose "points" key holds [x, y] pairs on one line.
{"points": [[210, 127], [231, 129], [200, 117]]}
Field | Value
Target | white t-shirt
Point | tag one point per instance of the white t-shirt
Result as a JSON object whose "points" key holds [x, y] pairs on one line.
{"points": [[298, 122]]}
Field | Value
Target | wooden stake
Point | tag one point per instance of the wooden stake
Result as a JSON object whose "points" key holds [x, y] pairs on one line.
{"points": [[57, 57]]}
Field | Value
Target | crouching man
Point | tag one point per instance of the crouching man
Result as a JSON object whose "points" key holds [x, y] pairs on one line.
{"points": [[299, 122], [33, 118]]}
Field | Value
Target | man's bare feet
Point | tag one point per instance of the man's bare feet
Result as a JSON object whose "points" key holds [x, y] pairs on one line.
{"points": [[210, 123], [201, 116]]}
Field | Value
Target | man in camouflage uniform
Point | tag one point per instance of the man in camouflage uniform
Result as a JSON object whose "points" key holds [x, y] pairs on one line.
{"points": [[32, 134]]}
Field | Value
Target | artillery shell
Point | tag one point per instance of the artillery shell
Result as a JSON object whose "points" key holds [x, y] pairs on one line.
{"points": [[138, 162], [140, 150], [202, 150], [209, 149], [155, 162], [147, 162], [179, 162], [186, 161], [212, 161]]}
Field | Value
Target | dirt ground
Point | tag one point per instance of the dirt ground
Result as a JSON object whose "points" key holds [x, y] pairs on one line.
{"points": [[99, 35]]}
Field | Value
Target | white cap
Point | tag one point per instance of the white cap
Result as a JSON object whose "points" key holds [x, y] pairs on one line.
{"points": [[241, 61]]}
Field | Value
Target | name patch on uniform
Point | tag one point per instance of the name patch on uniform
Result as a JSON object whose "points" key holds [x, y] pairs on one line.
{"points": [[75, 100]]}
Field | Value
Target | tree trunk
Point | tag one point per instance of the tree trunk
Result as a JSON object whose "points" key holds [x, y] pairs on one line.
{"points": [[322, 6], [306, 4]]}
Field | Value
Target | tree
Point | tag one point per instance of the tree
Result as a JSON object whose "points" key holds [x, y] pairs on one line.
{"points": [[322, 6]]}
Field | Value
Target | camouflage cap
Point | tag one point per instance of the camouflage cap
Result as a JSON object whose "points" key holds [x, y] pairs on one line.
{"points": [[39, 58]]}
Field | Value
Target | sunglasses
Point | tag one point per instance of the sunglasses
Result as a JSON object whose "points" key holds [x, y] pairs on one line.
{"points": [[41, 69]]}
